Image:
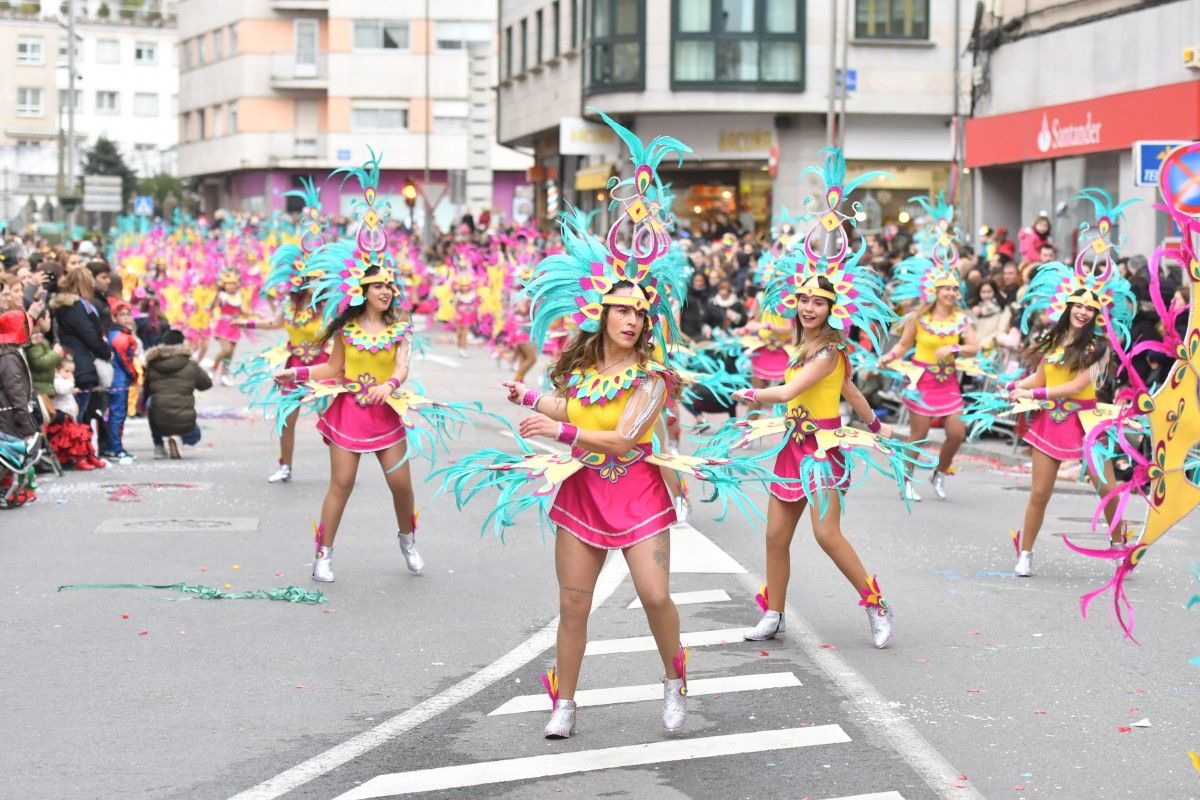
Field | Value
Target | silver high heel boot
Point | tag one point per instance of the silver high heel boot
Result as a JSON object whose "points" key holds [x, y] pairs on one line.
{"points": [[769, 626], [562, 720], [1024, 568], [408, 547], [939, 484], [909, 493], [674, 709], [323, 565], [882, 624]]}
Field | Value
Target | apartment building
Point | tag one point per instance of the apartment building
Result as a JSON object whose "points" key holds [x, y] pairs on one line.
{"points": [[125, 89], [271, 90], [1063, 93], [745, 83]]}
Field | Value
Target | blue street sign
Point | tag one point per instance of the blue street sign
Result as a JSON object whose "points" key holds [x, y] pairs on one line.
{"points": [[850, 84], [1148, 157], [343, 155], [143, 205]]}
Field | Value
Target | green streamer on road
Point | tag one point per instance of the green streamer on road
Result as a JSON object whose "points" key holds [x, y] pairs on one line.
{"points": [[287, 594]]}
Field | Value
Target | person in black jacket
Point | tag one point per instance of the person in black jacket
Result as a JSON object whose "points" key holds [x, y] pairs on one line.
{"points": [[172, 378], [78, 324]]}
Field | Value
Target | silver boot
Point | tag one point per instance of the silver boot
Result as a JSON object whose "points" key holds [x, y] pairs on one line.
{"points": [[281, 475], [1024, 568], [323, 565], [408, 546], [939, 484], [882, 627], [674, 711], [769, 626], [562, 720], [683, 510], [909, 493]]}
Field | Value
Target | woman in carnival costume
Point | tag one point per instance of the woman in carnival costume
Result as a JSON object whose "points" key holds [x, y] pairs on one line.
{"points": [[825, 290], [1067, 362], [368, 412], [303, 345], [466, 309], [607, 493], [942, 333], [228, 307]]}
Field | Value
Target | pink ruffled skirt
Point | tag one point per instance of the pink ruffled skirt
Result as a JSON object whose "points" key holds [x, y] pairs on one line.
{"points": [[225, 329], [614, 503], [358, 428], [793, 455], [1057, 432], [935, 398], [769, 364]]}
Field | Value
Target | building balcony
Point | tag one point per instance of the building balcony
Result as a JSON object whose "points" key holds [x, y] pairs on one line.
{"points": [[291, 6], [288, 73]]}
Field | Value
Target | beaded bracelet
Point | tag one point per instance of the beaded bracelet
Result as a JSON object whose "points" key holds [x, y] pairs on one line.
{"points": [[568, 434]]}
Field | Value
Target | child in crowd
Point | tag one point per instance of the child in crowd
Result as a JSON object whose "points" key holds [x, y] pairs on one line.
{"points": [[125, 372], [70, 439]]}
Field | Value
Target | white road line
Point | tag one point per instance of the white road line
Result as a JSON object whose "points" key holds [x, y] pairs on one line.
{"points": [[692, 551], [640, 644], [611, 576], [654, 691], [874, 796], [533, 767], [447, 362], [691, 598], [539, 445]]}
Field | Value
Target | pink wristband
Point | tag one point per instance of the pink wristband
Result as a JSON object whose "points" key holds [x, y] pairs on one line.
{"points": [[530, 398], [874, 425], [1008, 387], [302, 374], [568, 434], [394, 383], [954, 348], [1041, 393], [251, 324], [751, 395]]}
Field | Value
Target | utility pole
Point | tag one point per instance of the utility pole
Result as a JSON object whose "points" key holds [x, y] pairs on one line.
{"points": [[831, 114], [72, 159], [845, 81], [427, 228]]}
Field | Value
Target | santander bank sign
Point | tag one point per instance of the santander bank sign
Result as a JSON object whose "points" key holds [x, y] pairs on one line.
{"points": [[1056, 135]]}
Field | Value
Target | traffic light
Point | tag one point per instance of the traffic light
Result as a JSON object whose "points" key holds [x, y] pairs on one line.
{"points": [[410, 193]]}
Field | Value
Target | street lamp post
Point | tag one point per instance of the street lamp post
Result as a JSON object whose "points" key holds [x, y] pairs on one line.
{"points": [[409, 192]]}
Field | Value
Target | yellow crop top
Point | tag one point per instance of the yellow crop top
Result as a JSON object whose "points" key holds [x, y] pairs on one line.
{"points": [[596, 402], [302, 326], [823, 399], [372, 355], [933, 333], [1057, 375]]}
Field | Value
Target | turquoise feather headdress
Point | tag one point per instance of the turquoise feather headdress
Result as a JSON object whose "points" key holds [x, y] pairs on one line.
{"points": [[576, 283], [1094, 280], [339, 268], [857, 296], [919, 277], [289, 261]]}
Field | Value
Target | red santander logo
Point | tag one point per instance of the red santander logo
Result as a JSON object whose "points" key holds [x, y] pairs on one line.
{"points": [[1056, 135]]}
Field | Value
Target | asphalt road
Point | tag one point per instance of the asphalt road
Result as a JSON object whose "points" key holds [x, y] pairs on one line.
{"points": [[994, 686]]}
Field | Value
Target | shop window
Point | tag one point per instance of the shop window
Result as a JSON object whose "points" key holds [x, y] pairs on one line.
{"points": [[737, 44], [617, 45], [891, 19]]}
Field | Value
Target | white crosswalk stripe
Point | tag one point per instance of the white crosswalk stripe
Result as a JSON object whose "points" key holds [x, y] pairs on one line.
{"points": [[640, 644], [660, 752], [691, 598], [726, 684]]}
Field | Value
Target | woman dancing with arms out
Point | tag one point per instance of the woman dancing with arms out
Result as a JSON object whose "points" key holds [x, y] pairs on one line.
{"points": [[1066, 361], [823, 288]]}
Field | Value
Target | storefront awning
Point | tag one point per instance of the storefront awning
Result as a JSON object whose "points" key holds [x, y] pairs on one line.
{"points": [[593, 178]]}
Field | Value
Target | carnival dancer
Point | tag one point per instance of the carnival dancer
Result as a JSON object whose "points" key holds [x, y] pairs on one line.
{"points": [[607, 493], [1066, 363], [942, 333], [228, 307], [368, 411], [516, 328], [466, 309], [826, 291], [301, 323]]}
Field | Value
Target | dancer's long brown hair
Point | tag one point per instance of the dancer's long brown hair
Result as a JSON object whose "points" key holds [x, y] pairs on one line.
{"points": [[1079, 353]]}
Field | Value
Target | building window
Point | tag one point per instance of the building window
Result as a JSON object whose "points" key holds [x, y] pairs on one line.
{"points": [[233, 40], [380, 34], [185, 127], [29, 50], [737, 44], [106, 103], [108, 51], [574, 24], [185, 55], [145, 104], [64, 57], [450, 116], [617, 43], [231, 119], [891, 19], [508, 53], [29, 101], [200, 57], [524, 46], [64, 99], [556, 29], [457, 35], [216, 121], [218, 39], [378, 117], [201, 125], [145, 53], [539, 31]]}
